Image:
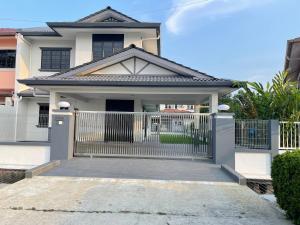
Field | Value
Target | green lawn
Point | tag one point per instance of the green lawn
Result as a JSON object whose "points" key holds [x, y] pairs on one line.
{"points": [[178, 139]]}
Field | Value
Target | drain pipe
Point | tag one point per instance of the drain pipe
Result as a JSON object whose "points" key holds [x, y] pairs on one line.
{"points": [[16, 115], [147, 39], [40, 96]]}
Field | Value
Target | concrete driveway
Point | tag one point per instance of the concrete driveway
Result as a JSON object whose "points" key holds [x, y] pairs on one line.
{"points": [[189, 170], [72, 200]]}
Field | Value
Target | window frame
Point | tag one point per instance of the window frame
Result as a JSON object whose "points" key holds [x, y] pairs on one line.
{"points": [[14, 61], [61, 49], [102, 39], [41, 121]]}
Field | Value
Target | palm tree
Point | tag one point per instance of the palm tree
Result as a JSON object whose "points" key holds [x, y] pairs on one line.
{"points": [[277, 100]]}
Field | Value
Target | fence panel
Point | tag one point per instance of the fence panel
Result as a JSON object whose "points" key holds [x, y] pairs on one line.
{"points": [[143, 134], [22, 127], [252, 134], [289, 138]]}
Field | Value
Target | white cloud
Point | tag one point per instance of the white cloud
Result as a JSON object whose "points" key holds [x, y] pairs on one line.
{"points": [[184, 10]]}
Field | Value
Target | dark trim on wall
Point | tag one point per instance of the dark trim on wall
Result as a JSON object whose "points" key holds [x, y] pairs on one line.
{"points": [[27, 143]]}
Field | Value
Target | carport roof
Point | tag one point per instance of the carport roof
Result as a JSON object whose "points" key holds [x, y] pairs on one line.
{"points": [[82, 75], [131, 80]]}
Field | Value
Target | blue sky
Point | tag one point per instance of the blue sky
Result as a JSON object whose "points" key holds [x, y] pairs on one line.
{"points": [[237, 39]]}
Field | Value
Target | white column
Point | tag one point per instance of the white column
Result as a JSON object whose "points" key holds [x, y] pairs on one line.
{"points": [[213, 103], [53, 104], [197, 118], [138, 130]]}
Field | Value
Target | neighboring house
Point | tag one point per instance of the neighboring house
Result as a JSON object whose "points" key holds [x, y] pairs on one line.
{"points": [[292, 59], [177, 108], [106, 61], [8, 43]]}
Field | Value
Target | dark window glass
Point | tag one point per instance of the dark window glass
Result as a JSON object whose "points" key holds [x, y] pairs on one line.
{"points": [[106, 44], [55, 59], [43, 115], [7, 58]]}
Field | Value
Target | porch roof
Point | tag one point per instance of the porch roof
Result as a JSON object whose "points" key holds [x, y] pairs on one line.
{"points": [[84, 75], [131, 80]]}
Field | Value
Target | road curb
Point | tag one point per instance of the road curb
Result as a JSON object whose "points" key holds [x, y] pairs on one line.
{"points": [[41, 169], [240, 179]]}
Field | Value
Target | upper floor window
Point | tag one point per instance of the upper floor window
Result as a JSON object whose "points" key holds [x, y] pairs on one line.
{"points": [[7, 58], [106, 44], [55, 59]]}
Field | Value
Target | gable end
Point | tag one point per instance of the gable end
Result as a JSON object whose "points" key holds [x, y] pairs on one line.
{"points": [[107, 15]]}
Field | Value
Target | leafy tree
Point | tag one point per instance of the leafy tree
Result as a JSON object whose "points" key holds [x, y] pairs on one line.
{"points": [[277, 100]]}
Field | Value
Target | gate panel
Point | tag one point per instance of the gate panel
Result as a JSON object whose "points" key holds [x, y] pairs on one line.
{"points": [[143, 134]]}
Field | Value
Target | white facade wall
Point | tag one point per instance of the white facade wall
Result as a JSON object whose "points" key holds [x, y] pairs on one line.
{"points": [[83, 49], [36, 55], [23, 156], [7, 123], [29, 65], [27, 120], [253, 165], [23, 62], [83, 45]]}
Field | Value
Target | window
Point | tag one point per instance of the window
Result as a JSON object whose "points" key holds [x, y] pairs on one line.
{"points": [[55, 59], [43, 115], [106, 44], [7, 58]]}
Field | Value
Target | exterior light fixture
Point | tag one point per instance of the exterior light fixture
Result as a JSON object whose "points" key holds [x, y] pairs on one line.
{"points": [[64, 105], [223, 107]]}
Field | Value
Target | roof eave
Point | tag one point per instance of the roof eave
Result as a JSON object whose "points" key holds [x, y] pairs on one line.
{"points": [[35, 82], [103, 25]]}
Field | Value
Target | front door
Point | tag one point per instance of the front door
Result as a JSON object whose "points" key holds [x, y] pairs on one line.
{"points": [[118, 126]]}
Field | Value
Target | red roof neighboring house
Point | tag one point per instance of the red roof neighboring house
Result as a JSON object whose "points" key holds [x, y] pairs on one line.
{"points": [[175, 111], [7, 31], [8, 42]]}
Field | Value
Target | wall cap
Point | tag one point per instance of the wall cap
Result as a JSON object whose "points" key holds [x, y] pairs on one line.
{"points": [[62, 112], [223, 115]]}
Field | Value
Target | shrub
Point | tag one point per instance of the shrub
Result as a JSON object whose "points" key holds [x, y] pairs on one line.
{"points": [[286, 183]]}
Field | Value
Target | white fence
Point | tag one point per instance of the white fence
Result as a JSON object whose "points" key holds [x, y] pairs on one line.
{"points": [[289, 138], [22, 127]]}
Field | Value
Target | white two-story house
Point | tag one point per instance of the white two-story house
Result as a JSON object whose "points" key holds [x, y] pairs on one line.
{"points": [[106, 61]]}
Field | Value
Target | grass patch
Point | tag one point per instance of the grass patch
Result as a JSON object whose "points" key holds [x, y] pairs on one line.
{"points": [[180, 139], [175, 139]]}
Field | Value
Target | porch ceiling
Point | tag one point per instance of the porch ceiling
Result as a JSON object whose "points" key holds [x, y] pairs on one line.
{"points": [[145, 98]]}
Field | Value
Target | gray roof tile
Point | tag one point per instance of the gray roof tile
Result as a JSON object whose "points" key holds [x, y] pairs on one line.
{"points": [[132, 80]]}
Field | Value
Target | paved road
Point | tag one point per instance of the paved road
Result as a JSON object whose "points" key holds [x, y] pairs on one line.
{"points": [[50, 200], [189, 170]]}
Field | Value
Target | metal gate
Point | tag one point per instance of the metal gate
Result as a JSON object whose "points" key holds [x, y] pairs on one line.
{"points": [[143, 134]]}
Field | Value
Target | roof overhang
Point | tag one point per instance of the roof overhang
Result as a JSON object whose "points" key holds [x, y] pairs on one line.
{"points": [[32, 82], [289, 47], [128, 25]]}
